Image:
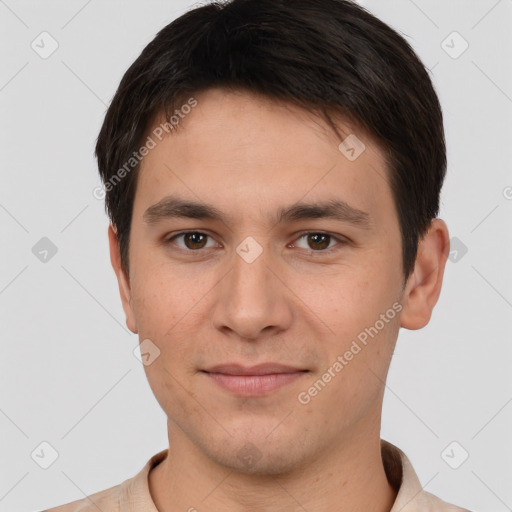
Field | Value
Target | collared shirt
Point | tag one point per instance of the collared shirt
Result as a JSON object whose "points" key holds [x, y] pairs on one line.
{"points": [[133, 494]]}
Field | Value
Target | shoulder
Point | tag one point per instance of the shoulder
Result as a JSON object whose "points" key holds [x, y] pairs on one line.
{"points": [[411, 496], [435, 504], [131, 495], [107, 500]]}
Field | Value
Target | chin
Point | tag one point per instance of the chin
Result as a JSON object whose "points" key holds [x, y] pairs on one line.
{"points": [[257, 463], [255, 454]]}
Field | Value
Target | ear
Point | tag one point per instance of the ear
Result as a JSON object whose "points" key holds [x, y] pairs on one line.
{"points": [[122, 279], [424, 284]]}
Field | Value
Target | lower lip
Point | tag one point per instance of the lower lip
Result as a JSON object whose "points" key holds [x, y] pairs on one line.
{"points": [[253, 385]]}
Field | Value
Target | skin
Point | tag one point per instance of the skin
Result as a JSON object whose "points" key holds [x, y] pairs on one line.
{"points": [[299, 303]]}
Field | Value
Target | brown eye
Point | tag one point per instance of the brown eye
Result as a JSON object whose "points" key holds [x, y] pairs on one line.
{"points": [[318, 241], [192, 240]]}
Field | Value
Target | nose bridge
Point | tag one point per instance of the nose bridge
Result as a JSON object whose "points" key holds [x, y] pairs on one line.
{"points": [[249, 280], [250, 297]]}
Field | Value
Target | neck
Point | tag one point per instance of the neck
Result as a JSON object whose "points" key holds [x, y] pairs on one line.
{"points": [[350, 477]]}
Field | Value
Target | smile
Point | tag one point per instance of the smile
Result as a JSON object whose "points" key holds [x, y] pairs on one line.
{"points": [[253, 385]]}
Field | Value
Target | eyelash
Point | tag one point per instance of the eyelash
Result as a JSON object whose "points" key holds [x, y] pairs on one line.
{"points": [[341, 241]]}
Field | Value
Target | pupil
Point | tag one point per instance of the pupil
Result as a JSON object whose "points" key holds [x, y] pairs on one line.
{"points": [[315, 238], [193, 238]]}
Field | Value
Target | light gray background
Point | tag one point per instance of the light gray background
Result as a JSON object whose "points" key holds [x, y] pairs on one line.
{"points": [[67, 372]]}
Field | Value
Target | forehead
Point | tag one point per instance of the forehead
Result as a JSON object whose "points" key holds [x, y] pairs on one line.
{"points": [[241, 150]]}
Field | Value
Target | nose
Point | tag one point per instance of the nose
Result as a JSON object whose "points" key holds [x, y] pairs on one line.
{"points": [[252, 299]]}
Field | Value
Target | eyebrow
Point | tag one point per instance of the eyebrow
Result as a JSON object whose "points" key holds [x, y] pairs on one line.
{"points": [[336, 209]]}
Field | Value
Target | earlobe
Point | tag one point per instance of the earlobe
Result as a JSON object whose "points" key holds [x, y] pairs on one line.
{"points": [[424, 284], [122, 279]]}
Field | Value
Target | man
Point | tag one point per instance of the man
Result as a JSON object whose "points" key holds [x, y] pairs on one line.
{"points": [[272, 172]]}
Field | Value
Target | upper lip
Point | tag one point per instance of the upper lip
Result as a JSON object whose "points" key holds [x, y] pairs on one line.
{"points": [[260, 369]]}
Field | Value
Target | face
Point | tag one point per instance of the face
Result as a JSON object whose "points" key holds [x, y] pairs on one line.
{"points": [[291, 256]]}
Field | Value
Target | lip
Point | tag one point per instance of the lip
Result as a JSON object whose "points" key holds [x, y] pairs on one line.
{"points": [[253, 381], [259, 369]]}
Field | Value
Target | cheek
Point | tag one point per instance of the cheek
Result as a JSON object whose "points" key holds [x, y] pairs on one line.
{"points": [[351, 299], [166, 315], [360, 306], [156, 313], [168, 307]]}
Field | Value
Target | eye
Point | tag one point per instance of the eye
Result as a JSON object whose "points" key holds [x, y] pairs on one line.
{"points": [[319, 241], [316, 241], [193, 240]]}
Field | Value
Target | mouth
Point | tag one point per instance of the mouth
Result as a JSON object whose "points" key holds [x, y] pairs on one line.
{"points": [[254, 381]]}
